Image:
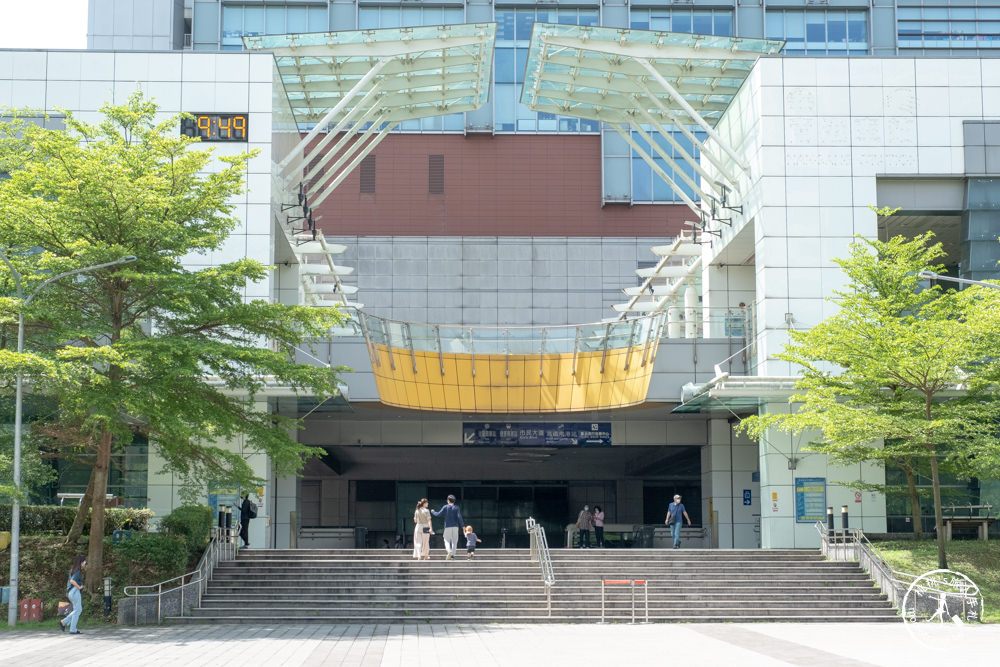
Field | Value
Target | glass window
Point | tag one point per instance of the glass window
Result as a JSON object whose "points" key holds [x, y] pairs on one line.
{"points": [[368, 18], [452, 15], [412, 16], [505, 25], [297, 20], [524, 21], [503, 65], [274, 18], [701, 23], [832, 31], [253, 21], [318, 19], [520, 64], [232, 26], [723, 23], [504, 106]]}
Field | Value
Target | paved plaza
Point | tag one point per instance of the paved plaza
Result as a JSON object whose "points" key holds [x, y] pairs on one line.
{"points": [[417, 645]]}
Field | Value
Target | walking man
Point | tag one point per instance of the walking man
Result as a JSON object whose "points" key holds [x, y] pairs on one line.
{"points": [[452, 521], [675, 512]]}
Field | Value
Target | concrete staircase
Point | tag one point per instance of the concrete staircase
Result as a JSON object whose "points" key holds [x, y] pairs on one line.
{"points": [[387, 586]]}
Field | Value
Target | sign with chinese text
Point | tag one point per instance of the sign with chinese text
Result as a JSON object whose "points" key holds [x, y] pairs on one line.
{"points": [[810, 499], [538, 434]]}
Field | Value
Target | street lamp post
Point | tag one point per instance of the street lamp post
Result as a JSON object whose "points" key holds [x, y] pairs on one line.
{"points": [[15, 513], [964, 281]]}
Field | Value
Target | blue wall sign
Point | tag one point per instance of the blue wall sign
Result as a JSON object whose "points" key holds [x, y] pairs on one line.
{"points": [[810, 499], [505, 434], [747, 497]]}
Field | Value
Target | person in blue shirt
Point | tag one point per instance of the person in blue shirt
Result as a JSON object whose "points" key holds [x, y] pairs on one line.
{"points": [[73, 588], [675, 512], [452, 522]]}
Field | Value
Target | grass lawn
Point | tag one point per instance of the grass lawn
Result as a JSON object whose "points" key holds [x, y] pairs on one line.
{"points": [[979, 561]]}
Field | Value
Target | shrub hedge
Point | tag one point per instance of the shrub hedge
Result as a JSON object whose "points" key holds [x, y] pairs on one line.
{"points": [[148, 557], [45, 519], [193, 523]]}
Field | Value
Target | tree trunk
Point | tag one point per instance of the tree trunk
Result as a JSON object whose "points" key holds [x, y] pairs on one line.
{"points": [[911, 483], [95, 553], [938, 514], [76, 530]]}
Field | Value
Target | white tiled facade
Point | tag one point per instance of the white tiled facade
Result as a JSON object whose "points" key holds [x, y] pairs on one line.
{"points": [[817, 133]]}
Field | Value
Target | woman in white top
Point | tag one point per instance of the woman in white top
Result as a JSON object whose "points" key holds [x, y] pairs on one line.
{"points": [[422, 530]]}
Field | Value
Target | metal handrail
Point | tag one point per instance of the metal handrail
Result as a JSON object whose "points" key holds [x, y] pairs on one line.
{"points": [[847, 544], [540, 554], [217, 550]]}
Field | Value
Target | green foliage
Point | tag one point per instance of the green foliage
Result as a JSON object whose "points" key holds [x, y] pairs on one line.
{"points": [[155, 346], [57, 519], [136, 557], [900, 373], [975, 559], [193, 523]]}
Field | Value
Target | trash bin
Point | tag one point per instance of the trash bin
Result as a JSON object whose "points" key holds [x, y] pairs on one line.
{"points": [[360, 537]]}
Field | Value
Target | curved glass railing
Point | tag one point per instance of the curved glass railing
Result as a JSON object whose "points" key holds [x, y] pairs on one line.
{"points": [[512, 369]]}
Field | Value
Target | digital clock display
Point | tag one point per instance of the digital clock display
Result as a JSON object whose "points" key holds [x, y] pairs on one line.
{"points": [[216, 126]]}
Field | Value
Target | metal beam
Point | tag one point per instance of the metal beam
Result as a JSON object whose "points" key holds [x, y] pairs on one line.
{"points": [[677, 97], [364, 81], [349, 168], [655, 167]]}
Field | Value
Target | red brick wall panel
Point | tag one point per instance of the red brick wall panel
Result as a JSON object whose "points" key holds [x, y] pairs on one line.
{"points": [[504, 185]]}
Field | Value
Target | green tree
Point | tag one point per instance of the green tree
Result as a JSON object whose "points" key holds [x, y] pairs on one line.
{"points": [[900, 374], [173, 352]]}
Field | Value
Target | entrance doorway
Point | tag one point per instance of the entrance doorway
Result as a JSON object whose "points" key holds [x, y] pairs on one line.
{"points": [[497, 510]]}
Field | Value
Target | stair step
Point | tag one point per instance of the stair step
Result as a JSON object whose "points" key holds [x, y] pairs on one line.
{"points": [[504, 585]]}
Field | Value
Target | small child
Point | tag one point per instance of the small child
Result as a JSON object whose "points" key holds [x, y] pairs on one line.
{"points": [[470, 542]]}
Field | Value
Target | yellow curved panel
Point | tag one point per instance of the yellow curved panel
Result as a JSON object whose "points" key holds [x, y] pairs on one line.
{"points": [[512, 384]]}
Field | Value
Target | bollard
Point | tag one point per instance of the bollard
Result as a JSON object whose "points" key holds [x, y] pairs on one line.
{"points": [[107, 596], [829, 521], [843, 517]]}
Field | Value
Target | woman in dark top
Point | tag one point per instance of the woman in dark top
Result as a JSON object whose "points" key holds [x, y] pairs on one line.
{"points": [[73, 588], [244, 519]]}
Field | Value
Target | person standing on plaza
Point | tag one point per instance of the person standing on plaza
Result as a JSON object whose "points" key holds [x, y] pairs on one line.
{"points": [[675, 512], [73, 587], [453, 522], [584, 522], [422, 530], [247, 512], [599, 526]]}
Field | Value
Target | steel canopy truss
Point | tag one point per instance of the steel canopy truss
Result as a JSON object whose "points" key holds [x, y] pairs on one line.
{"points": [[637, 79], [359, 85]]}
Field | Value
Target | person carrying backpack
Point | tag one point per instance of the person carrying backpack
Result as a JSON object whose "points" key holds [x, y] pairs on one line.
{"points": [[248, 510]]}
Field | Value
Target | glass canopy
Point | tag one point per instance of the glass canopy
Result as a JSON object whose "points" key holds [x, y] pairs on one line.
{"points": [[418, 72], [596, 72]]}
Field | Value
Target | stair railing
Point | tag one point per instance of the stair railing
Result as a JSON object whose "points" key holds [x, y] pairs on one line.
{"points": [[852, 545], [221, 547], [540, 554]]}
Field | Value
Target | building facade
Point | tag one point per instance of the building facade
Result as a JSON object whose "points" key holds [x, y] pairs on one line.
{"points": [[488, 250]]}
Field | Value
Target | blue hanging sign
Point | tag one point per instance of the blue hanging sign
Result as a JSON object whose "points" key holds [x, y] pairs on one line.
{"points": [[508, 434], [810, 499]]}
